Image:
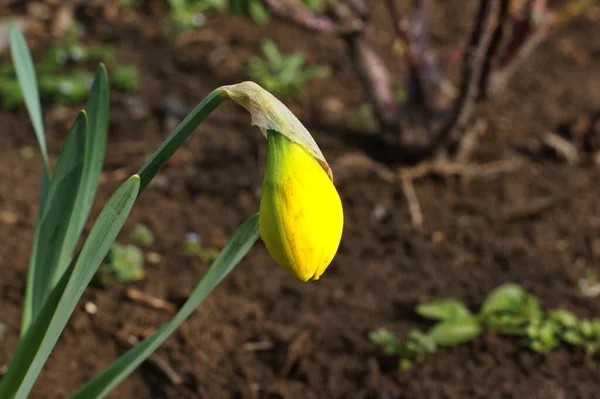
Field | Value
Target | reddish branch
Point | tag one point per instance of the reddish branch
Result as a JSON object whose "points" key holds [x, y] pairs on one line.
{"points": [[500, 40]]}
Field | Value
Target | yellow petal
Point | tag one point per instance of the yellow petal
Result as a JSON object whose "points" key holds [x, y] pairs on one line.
{"points": [[301, 216]]}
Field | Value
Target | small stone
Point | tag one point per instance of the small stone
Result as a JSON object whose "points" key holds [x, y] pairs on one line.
{"points": [[91, 308]]}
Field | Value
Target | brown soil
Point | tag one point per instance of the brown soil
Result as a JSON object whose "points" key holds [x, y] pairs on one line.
{"points": [[317, 332]]}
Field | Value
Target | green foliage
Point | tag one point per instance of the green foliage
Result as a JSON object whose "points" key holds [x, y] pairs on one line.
{"points": [[507, 310], [58, 275], [282, 74], [125, 263], [443, 309], [142, 235], [62, 75], [193, 247], [126, 78], [253, 8]]}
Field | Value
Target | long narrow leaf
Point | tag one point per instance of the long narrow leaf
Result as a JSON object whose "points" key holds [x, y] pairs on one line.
{"points": [[28, 82], [95, 148], [160, 157], [237, 247], [27, 315], [58, 212], [38, 342]]}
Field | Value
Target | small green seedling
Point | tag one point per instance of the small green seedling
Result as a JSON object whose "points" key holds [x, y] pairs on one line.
{"points": [[126, 263], [189, 14], [62, 75], [282, 74], [253, 8], [508, 310], [193, 247], [142, 235], [126, 78]]}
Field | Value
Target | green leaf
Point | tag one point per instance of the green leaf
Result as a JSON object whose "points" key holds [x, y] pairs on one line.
{"points": [[176, 139], [98, 116], [27, 79], [235, 250], [95, 149], [126, 263], [455, 331], [42, 335], [506, 298], [443, 309], [55, 236], [28, 83], [418, 342], [573, 337], [564, 318], [142, 235], [258, 13], [386, 340]]}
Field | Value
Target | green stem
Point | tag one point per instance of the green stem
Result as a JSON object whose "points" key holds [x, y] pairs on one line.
{"points": [[161, 156]]}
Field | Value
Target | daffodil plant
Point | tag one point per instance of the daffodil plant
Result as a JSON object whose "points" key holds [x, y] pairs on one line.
{"points": [[300, 218]]}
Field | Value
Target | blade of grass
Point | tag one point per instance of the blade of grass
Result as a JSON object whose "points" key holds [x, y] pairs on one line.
{"points": [[95, 149], [160, 157], [38, 342], [235, 250], [27, 81], [58, 213]]}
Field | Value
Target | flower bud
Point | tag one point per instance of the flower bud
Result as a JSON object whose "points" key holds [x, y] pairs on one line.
{"points": [[301, 216]]}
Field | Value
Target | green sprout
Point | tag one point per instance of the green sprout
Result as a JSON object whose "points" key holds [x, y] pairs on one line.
{"points": [[507, 310], [62, 76], [142, 235], [193, 247], [282, 74], [126, 263], [126, 78]]}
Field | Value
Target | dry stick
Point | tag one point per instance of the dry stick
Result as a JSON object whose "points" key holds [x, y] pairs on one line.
{"points": [[492, 50], [563, 147], [448, 169], [401, 25], [370, 68], [374, 76], [297, 13], [149, 300], [127, 339], [474, 60], [414, 206], [473, 64], [469, 141]]}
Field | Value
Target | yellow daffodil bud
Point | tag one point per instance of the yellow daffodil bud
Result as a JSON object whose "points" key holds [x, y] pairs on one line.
{"points": [[301, 215]]}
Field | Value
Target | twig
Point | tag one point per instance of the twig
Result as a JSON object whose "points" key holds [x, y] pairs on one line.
{"points": [[296, 12], [529, 209], [447, 169], [469, 141], [401, 25], [493, 47], [563, 147], [149, 300], [374, 76], [360, 161], [129, 340], [258, 346], [414, 206]]}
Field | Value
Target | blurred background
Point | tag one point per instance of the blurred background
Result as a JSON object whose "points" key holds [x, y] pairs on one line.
{"points": [[464, 139]]}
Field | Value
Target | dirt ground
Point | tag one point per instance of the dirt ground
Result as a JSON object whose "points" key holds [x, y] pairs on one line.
{"points": [[264, 334]]}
